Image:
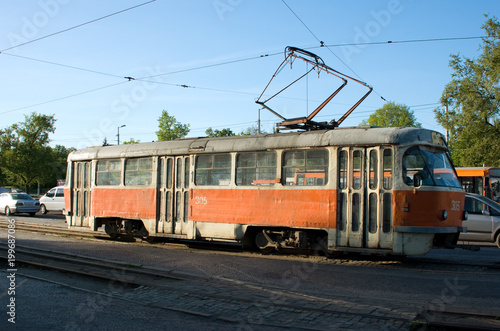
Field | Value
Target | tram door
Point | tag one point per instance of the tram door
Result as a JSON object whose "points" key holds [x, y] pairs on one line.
{"points": [[81, 194], [365, 180], [173, 195]]}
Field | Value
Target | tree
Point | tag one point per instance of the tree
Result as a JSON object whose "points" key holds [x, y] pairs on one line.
{"points": [[470, 104], [252, 130], [392, 115], [59, 163], [131, 141], [169, 128], [25, 156], [219, 133]]}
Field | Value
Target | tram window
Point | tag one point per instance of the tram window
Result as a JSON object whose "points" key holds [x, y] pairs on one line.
{"points": [[109, 172], [356, 171], [256, 168], [342, 220], [387, 169], [428, 166], [186, 172], [139, 171], [372, 215], [161, 171], [373, 169], [169, 173], [305, 168], [343, 169], [213, 169], [178, 171], [387, 213], [356, 214]]}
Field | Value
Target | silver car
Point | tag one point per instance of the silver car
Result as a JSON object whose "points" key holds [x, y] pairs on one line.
{"points": [[483, 223], [12, 203]]}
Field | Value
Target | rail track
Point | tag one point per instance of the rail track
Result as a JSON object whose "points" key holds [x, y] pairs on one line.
{"points": [[347, 259], [242, 303]]}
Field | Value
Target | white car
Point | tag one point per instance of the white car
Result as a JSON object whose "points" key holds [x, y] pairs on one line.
{"points": [[53, 200], [13, 203], [483, 223]]}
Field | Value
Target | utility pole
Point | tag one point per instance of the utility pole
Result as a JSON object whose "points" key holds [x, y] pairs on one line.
{"points": [[258, 122], [447, 131], [118, 135]]}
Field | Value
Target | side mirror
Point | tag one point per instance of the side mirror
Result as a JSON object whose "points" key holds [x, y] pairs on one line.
{"points": [[417, 180], [486, 212]]}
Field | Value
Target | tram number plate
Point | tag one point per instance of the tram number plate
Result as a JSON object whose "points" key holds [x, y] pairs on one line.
{"points": [[200, 200], [455, 205]]}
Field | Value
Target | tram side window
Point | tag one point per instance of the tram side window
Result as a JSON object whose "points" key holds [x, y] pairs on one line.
{"points": [[387, 169], [256, 168], [213, 169], [305, 167], [109, 172], [343, 169], [139, 171]]}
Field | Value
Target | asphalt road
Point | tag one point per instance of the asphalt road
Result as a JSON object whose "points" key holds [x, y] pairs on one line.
{"points": [[419, 283]]}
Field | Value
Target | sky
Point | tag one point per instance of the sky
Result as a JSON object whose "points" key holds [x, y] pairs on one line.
{"points": [[207, 61]]}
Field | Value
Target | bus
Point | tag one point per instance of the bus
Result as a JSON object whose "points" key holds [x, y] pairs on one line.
{"points": [[480, 180]]}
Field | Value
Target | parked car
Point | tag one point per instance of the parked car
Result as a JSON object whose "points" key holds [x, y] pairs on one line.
{"points": [[53, 200], [483, 223], [12, 203]]}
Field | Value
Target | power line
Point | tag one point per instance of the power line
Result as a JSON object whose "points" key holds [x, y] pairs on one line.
{"points": [[401, 41], [76, 26], [240, 60], [321, 42], [210, 65], [66, 97], [62, 65], [322, 45], [131, 78]]}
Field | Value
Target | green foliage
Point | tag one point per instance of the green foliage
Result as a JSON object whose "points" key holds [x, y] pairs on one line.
{"points": [[392, 115], [131, 141], [219, 133], [169, 128], [252, 130], [25, 157], [473, 97]]}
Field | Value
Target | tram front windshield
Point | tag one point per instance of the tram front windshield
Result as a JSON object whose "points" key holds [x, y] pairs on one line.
{"points": [[432, 166]]}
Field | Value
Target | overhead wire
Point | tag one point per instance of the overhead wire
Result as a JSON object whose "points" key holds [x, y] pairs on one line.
{"points": [[401, 41], [189, 69], [210, 66], [321, 42], [62, 65], [323, 45], [62, 98], [76, 26]]}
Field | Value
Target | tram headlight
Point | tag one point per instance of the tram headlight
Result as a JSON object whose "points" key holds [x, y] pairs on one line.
{"points": [[445, 215]]}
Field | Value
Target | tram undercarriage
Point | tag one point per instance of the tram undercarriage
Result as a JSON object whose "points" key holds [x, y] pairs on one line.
{"points": [[272, 239]]}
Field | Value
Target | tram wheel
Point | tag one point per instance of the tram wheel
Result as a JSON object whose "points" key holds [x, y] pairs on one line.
{"points": [[263, 244], [150, 239], [111, 230]]}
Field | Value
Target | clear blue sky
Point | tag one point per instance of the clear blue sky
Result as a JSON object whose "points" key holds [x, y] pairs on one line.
{"points": [[177, 38]]}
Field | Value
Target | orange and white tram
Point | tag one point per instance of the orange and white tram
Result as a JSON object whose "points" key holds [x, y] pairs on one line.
{"points": [[362, 189]]}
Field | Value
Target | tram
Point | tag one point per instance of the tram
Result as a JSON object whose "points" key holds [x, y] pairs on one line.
{"points": [[360, 189]]}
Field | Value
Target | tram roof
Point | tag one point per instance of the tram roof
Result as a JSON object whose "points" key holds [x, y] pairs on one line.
{"points": [[353, 136]]}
